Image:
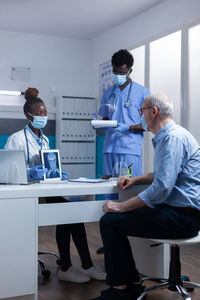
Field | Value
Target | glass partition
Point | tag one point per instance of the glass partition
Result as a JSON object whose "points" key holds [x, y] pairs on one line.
{"points": [[194, 75], [139, 64], [165, 68]]}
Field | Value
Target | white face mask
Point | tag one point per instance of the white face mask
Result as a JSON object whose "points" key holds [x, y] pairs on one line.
{"points": [[144, 124]]}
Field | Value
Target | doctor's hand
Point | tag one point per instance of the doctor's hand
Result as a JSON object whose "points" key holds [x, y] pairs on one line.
{"points": [[121, 127], [64, 175], [37, 172], [125, 182], [112, 206]]}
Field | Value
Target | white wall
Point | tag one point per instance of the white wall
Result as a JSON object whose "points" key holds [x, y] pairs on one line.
{"points": [[161, 20], [59, 62], [166, 17]]}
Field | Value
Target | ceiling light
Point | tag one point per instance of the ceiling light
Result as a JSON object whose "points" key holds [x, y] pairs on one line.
{"points": [[13, 93]]}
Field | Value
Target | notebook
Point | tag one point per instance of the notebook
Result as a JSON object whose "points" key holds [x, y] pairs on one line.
{"points": [[13, 167]]}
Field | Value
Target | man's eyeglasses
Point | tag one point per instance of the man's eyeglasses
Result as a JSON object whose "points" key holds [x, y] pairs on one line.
{"points": [[142, 109]]}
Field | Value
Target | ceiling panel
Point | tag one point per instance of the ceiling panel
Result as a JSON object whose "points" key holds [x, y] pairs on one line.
{"points": [[83, 19]]}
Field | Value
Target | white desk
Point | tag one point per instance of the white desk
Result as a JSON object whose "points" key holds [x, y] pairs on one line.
{"points": [[20, 216]]}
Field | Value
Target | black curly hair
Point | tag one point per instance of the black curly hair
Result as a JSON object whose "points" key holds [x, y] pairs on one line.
{"points": [[122, 57]]}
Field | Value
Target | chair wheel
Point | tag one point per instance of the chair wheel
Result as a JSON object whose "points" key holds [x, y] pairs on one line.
{"points": [[58, 262], [186, 278], [46, 274]]}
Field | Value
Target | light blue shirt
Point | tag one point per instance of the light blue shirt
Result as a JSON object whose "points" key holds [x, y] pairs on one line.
{"points": [[38, 140], [176, 169], [116, 105]]}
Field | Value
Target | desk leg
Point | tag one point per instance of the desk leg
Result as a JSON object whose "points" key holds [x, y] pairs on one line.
{"points": [[149, 261], [18, 246]]}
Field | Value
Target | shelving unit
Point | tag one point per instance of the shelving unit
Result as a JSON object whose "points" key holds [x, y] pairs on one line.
{"points": [[75, 136]]}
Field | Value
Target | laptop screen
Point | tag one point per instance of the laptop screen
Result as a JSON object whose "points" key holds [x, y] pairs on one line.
{"points": [[13, 167]]}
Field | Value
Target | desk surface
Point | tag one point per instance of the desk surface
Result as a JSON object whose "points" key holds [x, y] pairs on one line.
{"points": [[62, 189]]}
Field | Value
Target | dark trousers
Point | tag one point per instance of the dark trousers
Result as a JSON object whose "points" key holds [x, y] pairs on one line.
{"points": [[162, 222], [63, 234]]}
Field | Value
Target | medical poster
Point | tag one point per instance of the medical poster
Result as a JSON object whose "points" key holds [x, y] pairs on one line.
{"points": [[105, 77]]}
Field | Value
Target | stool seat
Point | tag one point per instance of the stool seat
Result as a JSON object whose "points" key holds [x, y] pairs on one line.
{"points": [[189, 241]]}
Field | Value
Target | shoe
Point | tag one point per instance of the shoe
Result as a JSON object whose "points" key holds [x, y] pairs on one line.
{"points": [[135, 290], [73, 275], [114, 294], [94, 273], [100, 250]]}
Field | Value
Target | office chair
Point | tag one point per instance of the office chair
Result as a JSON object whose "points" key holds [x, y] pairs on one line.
{"points": [[175, 282], [45, 272]]}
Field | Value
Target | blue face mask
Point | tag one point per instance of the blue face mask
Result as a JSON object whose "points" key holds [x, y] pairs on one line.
{"points": [[39, 122], [144, 124], [120, 79]]}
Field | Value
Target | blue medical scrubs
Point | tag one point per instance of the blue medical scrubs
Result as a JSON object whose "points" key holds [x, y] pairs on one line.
{"points": [[123, 106]]}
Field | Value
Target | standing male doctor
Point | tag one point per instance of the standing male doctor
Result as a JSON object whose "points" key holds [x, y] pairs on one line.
{"points": [[121, 102]]}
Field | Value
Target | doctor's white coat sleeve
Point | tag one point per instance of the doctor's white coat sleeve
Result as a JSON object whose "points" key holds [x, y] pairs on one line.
{"points": [[15, 143]]}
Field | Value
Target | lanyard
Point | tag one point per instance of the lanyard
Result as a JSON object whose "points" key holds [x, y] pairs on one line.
{"points": [[27, 145], [112, 95]]}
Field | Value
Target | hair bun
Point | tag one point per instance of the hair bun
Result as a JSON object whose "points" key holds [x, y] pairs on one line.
{"points": [[31, 93]]}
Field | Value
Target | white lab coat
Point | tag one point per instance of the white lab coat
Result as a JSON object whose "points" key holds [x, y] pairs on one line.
{"points": [[17, 141]]}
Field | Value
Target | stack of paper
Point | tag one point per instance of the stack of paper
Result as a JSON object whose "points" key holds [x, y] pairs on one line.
{"points": [[104, 123], [89, 180]]}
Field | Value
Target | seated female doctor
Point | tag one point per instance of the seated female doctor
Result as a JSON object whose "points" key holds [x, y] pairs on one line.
{"points": [[31, 139]]}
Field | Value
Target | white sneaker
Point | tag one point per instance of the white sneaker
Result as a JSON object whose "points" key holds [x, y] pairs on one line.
{"points": [[73, 275], [94, 273]]}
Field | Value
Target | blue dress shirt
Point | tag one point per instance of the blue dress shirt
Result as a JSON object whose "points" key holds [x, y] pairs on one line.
{"points": [[176, 169]]}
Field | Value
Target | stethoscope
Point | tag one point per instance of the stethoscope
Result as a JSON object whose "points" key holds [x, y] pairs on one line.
{"points": [[112, 95], [27, 146]]}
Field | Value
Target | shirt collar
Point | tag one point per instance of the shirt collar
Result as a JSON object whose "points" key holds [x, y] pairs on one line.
{"points": [[117, 88], [162, 133]]}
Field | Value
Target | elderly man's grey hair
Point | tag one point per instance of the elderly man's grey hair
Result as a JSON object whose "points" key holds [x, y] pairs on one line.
{"points": [[162, 102]]}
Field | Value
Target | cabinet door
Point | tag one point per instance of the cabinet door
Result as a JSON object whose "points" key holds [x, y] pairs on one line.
{"points": [[18, 247], [76, 152], [77, 130], [78, 108], [79, 170]]}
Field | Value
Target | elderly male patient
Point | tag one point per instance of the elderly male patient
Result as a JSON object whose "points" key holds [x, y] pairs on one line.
{"points": [[168, 208]]}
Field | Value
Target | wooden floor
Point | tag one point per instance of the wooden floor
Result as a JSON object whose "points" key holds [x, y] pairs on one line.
{"points": [[53, 289]]}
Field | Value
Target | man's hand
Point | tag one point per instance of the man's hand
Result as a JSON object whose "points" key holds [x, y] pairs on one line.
{"points": [[112, 206], [121, 207], [125, 182]]}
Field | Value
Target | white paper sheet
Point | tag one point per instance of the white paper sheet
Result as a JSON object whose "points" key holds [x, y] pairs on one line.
{"points": [[104, 123], [89, 180]]}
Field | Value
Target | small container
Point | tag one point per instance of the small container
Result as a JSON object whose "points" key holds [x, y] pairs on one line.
{"points": [[120, 169]]}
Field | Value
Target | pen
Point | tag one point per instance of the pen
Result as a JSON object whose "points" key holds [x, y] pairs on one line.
{"points": [[95, 116]]}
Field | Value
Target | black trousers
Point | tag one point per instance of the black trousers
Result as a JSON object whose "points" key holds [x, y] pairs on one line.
{"points": [[162, 222], [63, 234]]}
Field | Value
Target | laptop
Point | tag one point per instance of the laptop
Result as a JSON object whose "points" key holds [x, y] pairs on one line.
{"points": [[13, 167]]}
